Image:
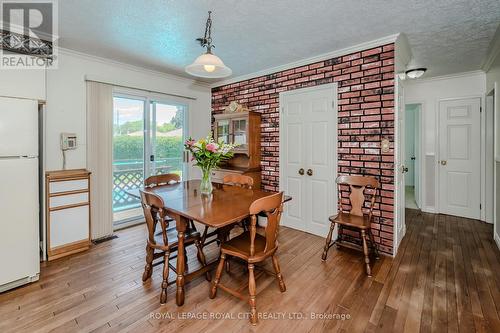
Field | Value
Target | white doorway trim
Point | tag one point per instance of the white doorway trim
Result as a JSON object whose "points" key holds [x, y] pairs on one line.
{"points": [[331, 202], [488, 135], [418, 165], [399, 223], [423, 155]]}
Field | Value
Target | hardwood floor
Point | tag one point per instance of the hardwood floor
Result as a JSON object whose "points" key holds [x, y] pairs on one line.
{"points": [[446, 277]]}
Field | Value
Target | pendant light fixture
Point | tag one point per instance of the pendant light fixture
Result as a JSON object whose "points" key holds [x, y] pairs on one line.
{"points": [[208, 65]]}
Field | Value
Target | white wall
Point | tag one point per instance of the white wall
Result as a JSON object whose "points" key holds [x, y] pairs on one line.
{"points": [[26, 83], [66, 100], [428, 93]]}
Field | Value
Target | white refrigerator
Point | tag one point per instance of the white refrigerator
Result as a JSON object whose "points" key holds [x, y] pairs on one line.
{"points": [[19, 204]]}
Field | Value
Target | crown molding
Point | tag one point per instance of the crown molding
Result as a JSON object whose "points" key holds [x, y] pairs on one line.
{"points": [[493, 51], [123, 65], [445, 77], [306, 61]]}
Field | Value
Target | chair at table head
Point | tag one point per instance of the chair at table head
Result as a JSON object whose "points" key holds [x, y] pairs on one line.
{"points": [[238, 180]]}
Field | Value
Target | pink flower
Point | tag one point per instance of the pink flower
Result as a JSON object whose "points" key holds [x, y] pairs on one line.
{"points": [[212, 147], [190, 142]]}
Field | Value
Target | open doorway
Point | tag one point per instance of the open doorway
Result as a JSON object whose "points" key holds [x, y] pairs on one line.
{"points": [[412, 155]]}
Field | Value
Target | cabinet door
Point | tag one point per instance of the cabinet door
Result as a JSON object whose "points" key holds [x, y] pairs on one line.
{"points": [[69, 225], [239, 133], [222, 131]]}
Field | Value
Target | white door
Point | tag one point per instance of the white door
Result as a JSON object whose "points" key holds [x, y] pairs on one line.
{"points": [[308, 154], [400, 166], [460, 157]]}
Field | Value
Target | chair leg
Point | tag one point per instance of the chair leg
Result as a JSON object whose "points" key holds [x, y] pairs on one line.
{"points": [[374, 245], [148, 270], [218, 274], [204, 237], [278, 274], [164, 284], [328, 241], [228, 262], [365, 251], [252, 292], [201, 258], [339, 236]]}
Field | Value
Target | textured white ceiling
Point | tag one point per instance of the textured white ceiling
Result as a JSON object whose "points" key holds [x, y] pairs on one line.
{"points": [[446, 36]]}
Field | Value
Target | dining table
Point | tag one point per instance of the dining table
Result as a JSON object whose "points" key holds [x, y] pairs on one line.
{"points": [[184, 202]]}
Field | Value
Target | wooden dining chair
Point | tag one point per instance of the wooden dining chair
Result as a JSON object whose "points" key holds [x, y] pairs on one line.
{"points": [[238, 180], [360, 189], [165, 179], [234, 180], [163, 245], [254, 248]]}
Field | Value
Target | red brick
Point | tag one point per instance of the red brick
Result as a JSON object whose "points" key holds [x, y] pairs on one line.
{"points": [[371, 52]]}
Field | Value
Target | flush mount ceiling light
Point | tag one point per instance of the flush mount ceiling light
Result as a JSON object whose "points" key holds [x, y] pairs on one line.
{"points": [[415, 73], [208, 65]]}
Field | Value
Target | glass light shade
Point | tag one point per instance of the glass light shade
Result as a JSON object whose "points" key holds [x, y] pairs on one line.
{"points": [[415, 73], [208, 65]]}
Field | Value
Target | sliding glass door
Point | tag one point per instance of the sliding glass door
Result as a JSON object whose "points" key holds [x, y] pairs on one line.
{"points": [[148, 138], [167, 138]]}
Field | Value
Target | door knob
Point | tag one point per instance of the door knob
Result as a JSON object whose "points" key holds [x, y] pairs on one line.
{"points": [[443, 162], [309, 172], [301, 171]]}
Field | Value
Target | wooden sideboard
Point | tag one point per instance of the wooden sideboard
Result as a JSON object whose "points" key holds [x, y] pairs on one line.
{"points": [[67, 212], [242, 128]]}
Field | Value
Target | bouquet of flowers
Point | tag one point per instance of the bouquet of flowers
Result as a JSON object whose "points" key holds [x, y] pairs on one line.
{"points": [[208, 155]]}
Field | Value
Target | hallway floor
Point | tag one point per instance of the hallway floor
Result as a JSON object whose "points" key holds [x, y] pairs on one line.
{"points": [[410, 197]]}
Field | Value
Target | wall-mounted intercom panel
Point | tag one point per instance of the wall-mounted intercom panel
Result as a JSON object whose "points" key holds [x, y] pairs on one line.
{"points": [[68, 141]]}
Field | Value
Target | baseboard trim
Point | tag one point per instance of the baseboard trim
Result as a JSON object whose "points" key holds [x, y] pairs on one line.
{"points": [[431, 210]]}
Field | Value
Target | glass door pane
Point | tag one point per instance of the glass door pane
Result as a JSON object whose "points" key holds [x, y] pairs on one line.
{"points": [[167, 138], [240, 133], [128, 156], [223, 131]]}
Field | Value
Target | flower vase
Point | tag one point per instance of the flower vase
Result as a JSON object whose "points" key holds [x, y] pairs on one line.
{"points": [[206, 182]]}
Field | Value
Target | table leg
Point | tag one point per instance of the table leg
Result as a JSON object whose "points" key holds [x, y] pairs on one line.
{"points": [[181, 225]]}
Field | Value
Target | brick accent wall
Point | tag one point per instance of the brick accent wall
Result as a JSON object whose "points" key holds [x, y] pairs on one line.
{"points": [[366, 115]]}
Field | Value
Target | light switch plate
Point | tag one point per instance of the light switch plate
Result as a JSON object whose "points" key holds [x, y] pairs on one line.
{"points": [[385, 145]]}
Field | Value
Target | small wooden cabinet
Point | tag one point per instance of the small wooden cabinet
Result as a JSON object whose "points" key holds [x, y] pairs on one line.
{"points": [[243, 129], [67, 212]]}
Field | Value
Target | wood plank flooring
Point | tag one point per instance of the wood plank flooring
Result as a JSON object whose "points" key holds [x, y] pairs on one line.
{"points": [[446, 277]]}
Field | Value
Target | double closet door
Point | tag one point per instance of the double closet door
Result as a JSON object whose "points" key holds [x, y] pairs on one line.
{"points": [[148, 137], [308, 154]]}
